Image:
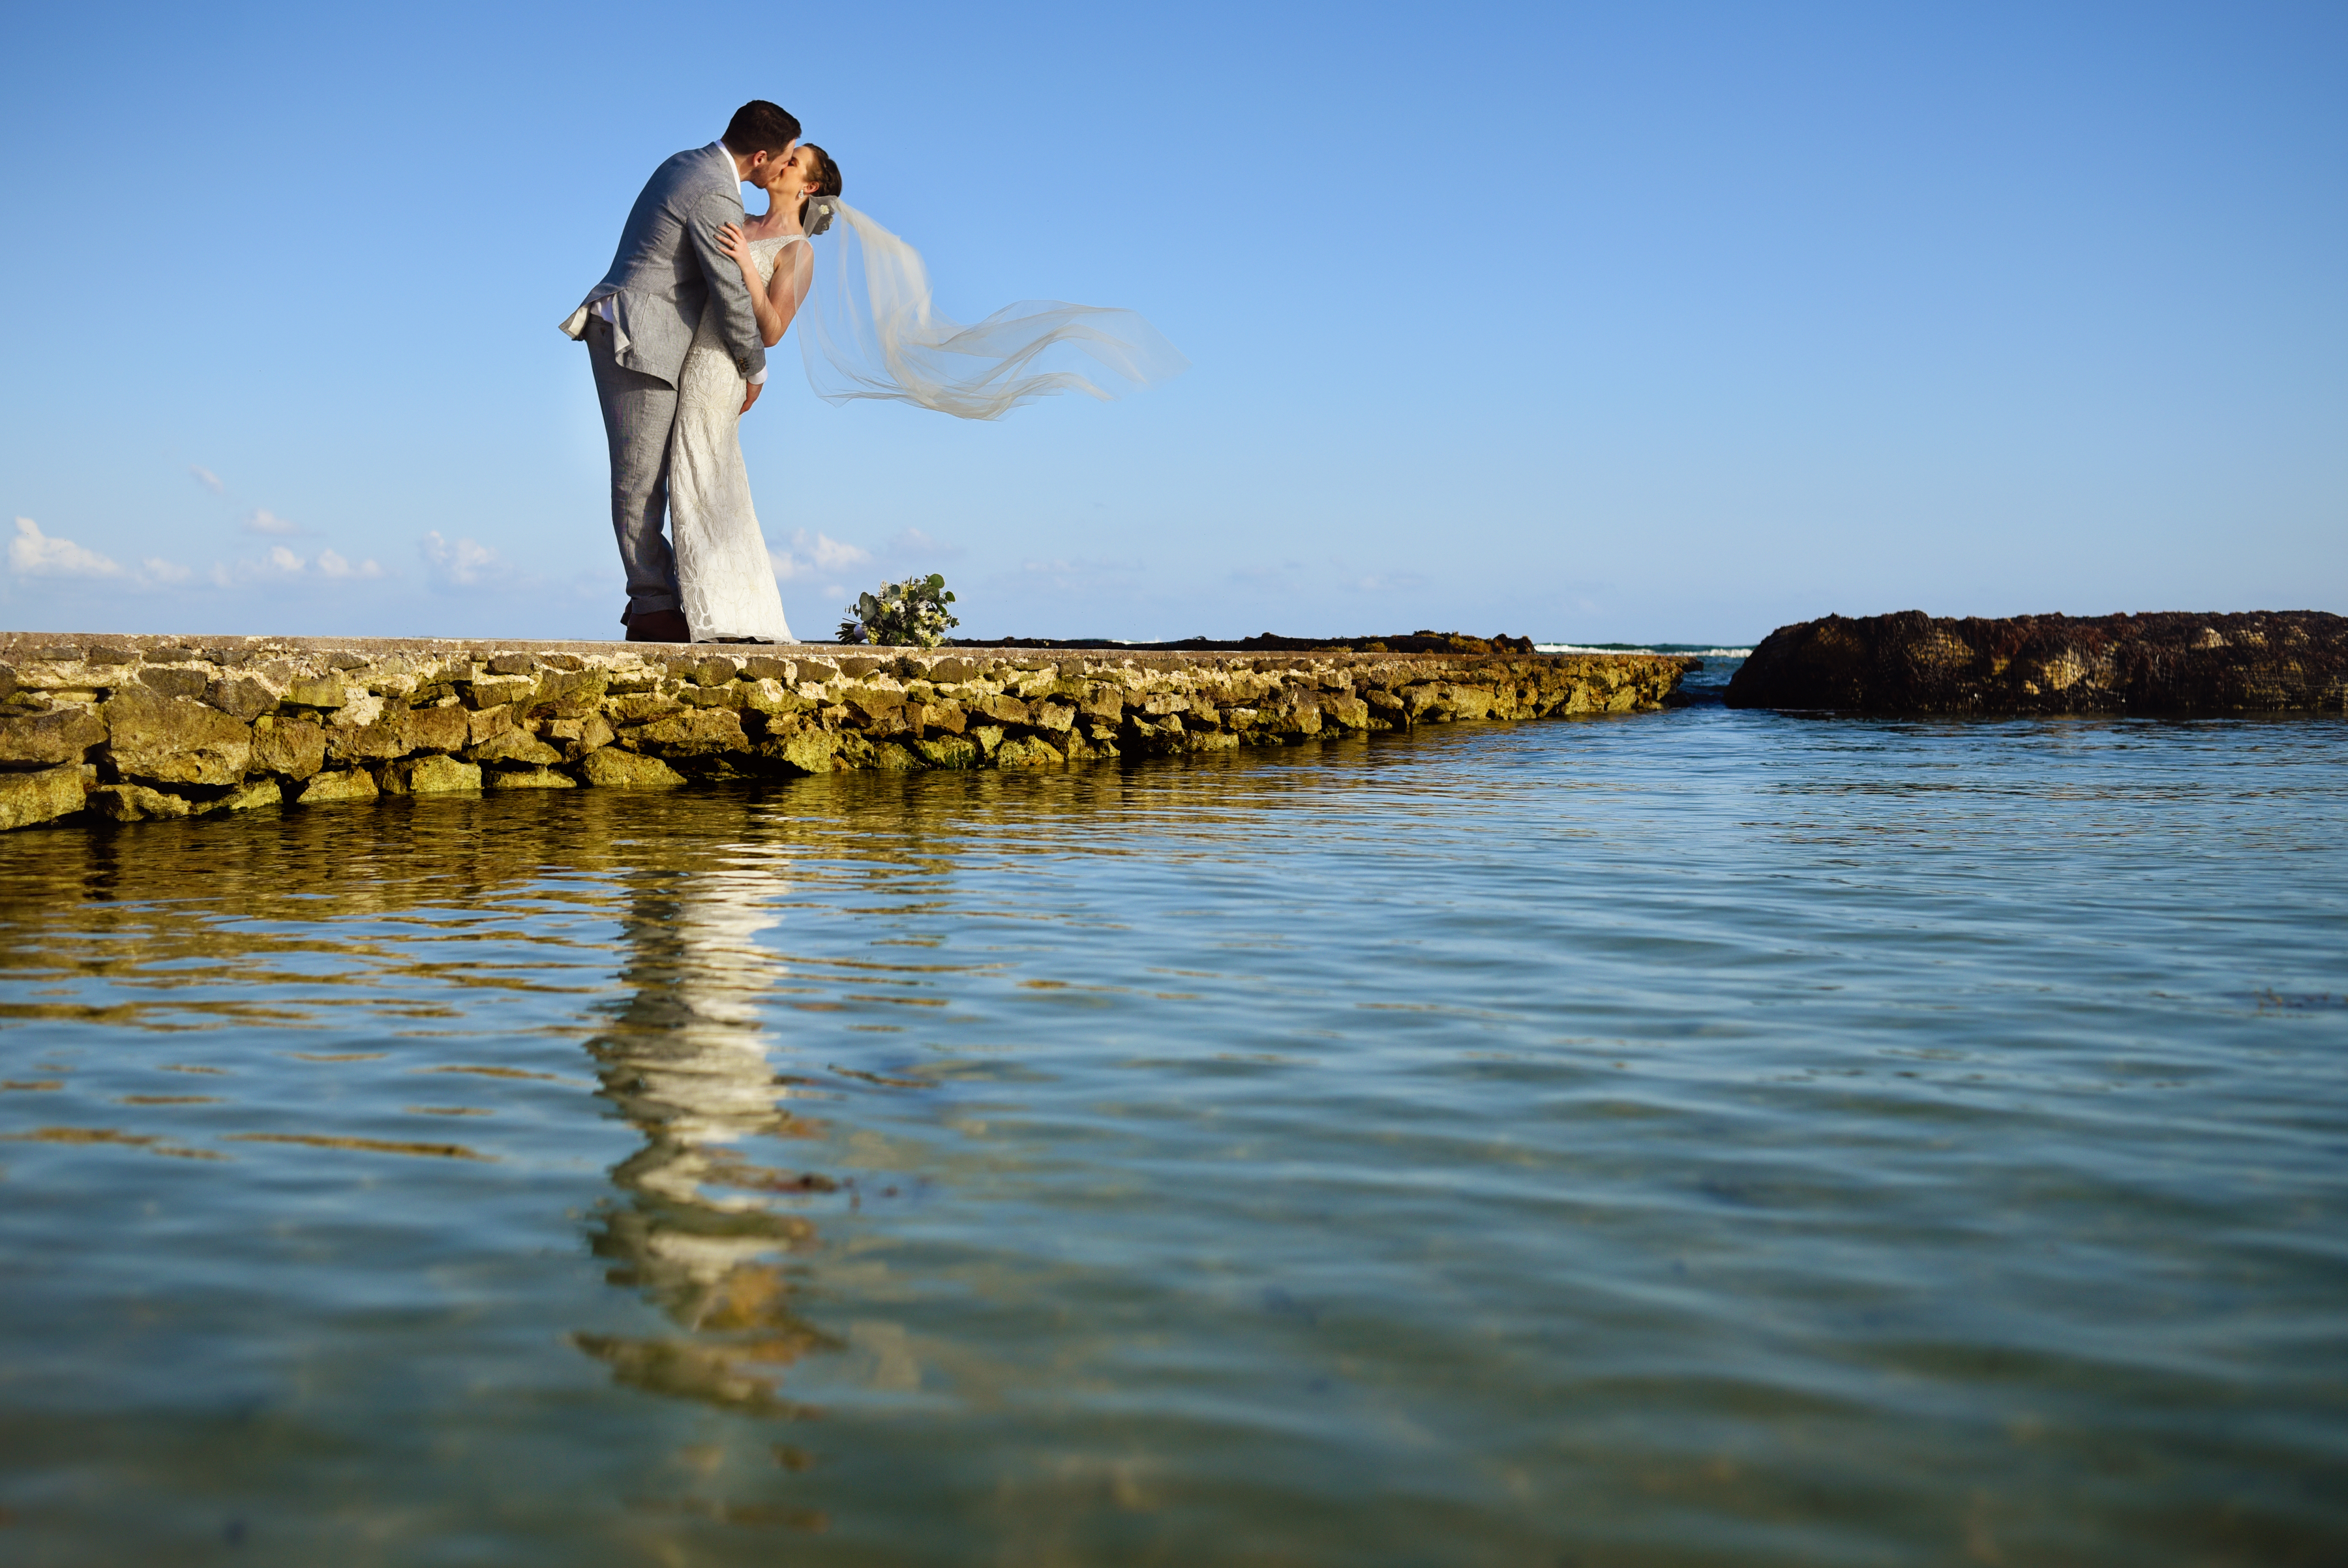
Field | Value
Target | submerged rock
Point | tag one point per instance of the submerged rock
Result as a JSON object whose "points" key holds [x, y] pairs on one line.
{"points": [[2294, 661]]}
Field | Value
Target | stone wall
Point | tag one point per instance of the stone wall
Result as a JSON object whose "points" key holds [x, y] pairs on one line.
{"points": [[2170, 662], [127, 728]]}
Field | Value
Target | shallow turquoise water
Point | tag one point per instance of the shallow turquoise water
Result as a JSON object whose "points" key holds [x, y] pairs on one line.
{"points": [[1705, 1137]]}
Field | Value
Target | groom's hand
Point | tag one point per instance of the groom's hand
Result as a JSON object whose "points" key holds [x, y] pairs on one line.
{"points": [[755, 387]]}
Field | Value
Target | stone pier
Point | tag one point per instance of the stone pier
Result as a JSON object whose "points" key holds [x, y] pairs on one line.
{"points": [[123, 729]]}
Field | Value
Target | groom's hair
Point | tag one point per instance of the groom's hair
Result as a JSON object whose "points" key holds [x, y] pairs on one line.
{"points": [[760, 126]]}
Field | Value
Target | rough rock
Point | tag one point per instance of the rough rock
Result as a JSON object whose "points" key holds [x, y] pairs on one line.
{"points": [[526, 778], [1028, 752], [246, 797], [137, 803], [430, 775], [626, 770], [516, 745], [43, 797], [807, 752], [2169, 664], [316, 691], [380, 739], [437, 729], [353, 784], [293, 746], [240, 697], [695, 733], [949, 751], [169, 740], [47, 738], [177, 680]]}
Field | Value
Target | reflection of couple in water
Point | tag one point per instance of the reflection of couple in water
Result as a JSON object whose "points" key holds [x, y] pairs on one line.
{"points": [[677, 333], [703, 1227]]}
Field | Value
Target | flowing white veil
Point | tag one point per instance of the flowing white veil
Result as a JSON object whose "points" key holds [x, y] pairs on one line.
{"points": [[867, 329]]}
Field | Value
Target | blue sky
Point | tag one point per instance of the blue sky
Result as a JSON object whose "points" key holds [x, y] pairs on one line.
{"points": [[1673, 320]]}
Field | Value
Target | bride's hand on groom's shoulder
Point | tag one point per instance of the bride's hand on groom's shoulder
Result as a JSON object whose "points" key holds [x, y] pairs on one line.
{"points": [[732, 241]]}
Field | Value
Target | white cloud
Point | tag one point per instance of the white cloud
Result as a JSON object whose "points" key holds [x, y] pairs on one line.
{"points": [[823, 555], [208, 479], [269, 522], [331, 563], [280, 565], [33, 553], [460, 563], [912, 542]]}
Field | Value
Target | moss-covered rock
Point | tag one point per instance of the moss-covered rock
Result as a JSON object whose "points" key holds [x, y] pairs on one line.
{"points": [[627, 770], [137, 803], [159, 739], [291, 746], [346, 784], [1027, 751], [949, 751], [526, 778], [432, 774], [515, 748], [49, 738], [41, 796]]}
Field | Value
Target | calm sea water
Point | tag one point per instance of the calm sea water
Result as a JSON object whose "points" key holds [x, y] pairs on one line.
{"points": [[1701, 1138]]}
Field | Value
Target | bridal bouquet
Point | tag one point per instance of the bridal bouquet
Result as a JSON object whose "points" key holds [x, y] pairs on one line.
{"points": [[908, 615]]}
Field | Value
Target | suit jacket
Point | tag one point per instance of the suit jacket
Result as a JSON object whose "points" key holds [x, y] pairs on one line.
{"points": [[669, 270]]}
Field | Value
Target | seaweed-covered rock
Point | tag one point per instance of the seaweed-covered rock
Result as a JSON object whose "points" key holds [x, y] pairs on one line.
{"points": [[2176, 664]]}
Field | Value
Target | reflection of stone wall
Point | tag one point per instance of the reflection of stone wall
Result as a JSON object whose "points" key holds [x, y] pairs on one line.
{"points": [[129, 727]]}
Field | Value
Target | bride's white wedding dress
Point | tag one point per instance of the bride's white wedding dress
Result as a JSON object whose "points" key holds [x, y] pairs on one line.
{"points": [[726, 582]]}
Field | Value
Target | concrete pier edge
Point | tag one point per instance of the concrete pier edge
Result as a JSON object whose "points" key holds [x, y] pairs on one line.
{"points": [[122, 728]]}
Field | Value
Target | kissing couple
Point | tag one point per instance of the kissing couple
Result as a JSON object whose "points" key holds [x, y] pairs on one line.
{"points": [[677, 335]]}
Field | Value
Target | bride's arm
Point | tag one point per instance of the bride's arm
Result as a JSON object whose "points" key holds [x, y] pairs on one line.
{"points": [[784, 296], [771, 324]]}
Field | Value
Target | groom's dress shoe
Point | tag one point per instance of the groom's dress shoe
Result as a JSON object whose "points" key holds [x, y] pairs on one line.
{"points": [[659, 626]]}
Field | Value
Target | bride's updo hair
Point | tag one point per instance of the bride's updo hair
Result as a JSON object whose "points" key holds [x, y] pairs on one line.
{"points": [[827, 184]]}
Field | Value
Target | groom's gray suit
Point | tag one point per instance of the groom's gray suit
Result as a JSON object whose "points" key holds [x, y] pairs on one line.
{"points": [[668, 272]]}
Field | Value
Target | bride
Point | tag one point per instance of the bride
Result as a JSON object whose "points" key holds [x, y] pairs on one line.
{"points": [[871, 332], [726, 582]]}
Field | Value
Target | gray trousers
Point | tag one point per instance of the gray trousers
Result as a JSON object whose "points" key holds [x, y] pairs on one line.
{"points": [[639, 411]]}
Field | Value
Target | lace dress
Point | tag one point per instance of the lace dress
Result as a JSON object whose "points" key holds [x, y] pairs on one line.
{"points": [[725, 578]]}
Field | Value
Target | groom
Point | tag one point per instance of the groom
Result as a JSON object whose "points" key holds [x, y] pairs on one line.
{"points": [[639, 322]]}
